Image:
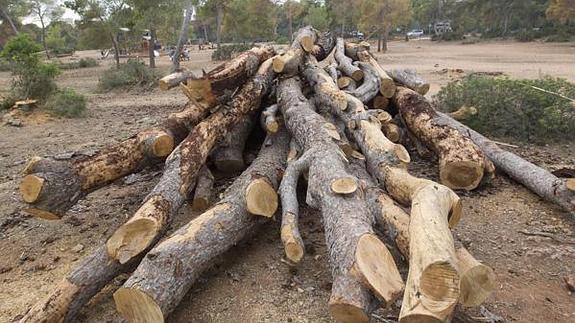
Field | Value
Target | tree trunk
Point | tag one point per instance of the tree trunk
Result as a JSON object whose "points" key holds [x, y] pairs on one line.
{"points": [[289, 62], [462, 165], [151, 47], [385, 38], [357, 257], [225, 78], [9, 19], [171, 268], [379, 42], [44, 36], [387, 84], [206, 33], [183, 36], [229, 156], [410, 79], [219, 21], [155, 214], [116, 49], [345, 63], [173, 80], [535, 178], [52, 187]]}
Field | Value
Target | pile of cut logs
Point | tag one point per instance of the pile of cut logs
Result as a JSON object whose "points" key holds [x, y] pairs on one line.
{"points": [[341, 127]]}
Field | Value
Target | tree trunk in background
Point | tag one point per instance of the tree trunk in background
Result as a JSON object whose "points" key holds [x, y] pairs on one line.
{"points": [[116, 49], [44, 37], [151, 45], [379, 42], [290, 22], [10, 21], [206, 33], [219, 18], [384, 40], [183, 35]]}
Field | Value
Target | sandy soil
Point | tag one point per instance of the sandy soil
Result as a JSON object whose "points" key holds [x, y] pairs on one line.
{"points": [[251, 283]]}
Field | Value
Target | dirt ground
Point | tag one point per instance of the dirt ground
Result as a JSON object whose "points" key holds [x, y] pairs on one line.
{"points": [[250, 283]]}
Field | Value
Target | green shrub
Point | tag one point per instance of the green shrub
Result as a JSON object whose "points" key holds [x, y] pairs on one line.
{"points": [[449, 36], [7, 103], [133, 73], [525, 36], [228, 51], [82, 63], [5, 66], [66, 103], [561, 37], [514, 108]]}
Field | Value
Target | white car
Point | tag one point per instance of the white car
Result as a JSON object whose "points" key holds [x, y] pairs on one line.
{"points": [[415, 33]]}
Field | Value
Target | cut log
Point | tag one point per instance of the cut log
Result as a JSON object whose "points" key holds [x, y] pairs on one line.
{"points": [[166, 198], [410, 79], [228, 157], [343, 82], [380, 102], [349, 235], [269, 120], [391, 131], [203, 192], [538, 180], [434, 207], [331, 70], [289, 62], [173, 80], [463, 113], [351, 49], [52, 187], [345, 64], [477, 279], [462, 165], [387, 84], [229, 75], [370, 86], [169, 270]]}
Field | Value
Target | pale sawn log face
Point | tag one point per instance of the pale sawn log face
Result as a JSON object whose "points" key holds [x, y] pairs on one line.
{"points": [[170, 269]]}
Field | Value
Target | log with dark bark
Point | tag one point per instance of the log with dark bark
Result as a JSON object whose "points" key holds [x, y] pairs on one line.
{"points": [[229, 75], [434, 207], [228, 157], [462, 165], [345, 64], [410, 79], [173, 80], [203, 192], [387, 84], [540, 181], [52, 187], [153, 217], [170, 269], [357, 257]]}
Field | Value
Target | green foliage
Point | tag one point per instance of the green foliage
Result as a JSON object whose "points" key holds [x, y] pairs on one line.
{"points": [[450, 36], [61, 38], [32, 78], [560, 37], [82, 63], [5, 66], [513, 108], [7, 103], [228, 51], [525, 36], [66, 103], [133, 73]]}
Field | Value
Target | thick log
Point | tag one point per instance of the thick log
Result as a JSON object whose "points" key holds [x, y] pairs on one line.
{"points": [[345, 64], [356, 255], [434, 207], [52, 187], [228, 157], [351, 49], [166, 198], [289, 62], [169, 270], [331, 70], [540, 181], [370, 86], [269, 119], [173, 80], [391, 131], [203, 192], [229, 75], [462, 165], [410, 79], [387, 84]]}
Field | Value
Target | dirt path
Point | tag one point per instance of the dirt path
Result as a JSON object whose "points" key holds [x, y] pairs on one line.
{"points": [[251, 283]]}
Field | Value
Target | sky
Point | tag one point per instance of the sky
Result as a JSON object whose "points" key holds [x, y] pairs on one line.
{"points": [[69, 16]]}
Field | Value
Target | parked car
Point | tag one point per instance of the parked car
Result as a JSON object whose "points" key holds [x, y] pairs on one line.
{"points": [[416, 33]]}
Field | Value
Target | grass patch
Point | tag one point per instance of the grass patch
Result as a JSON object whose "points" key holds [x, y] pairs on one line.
{"points": [[82, 63], [514, 108], [66, 103], [133, 73]]}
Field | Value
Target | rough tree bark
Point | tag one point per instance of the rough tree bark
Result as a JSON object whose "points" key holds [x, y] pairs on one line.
{"points": [[151, 47], [228, 157], [387, 84], [153, 217], [269, 119], [410, 79], [535, 178], [345, 64], [357, 257], [226, 77], [174, 79], [462, 165], [370, 86], [203, 192], [53, 187], [169, 270]]}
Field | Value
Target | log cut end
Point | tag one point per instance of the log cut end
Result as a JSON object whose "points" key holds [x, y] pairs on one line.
{"points": [[291, 239], [375, 264], [380, 102], [570, 183], [279, 62], [357, 75], [55, 306], [402, 153], [344, 185], [348, 313], [462, 174], [132, 238], [391, 131], [439, 287], [163, 145], [32, 162], [31, 187], [477, 280], [343, 82], [387, 88], [307, 43], [261, 198], [136, 306]]}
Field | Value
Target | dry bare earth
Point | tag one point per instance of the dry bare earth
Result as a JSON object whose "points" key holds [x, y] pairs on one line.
{"points": [[251, 283]]}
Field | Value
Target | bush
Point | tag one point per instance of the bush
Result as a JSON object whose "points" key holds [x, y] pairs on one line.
{"points": [[525, 36], [513, 108], [448, 36], [66, 103], [560, 37], [7, 103], [133, 73], [228, 51], [82, 63], [5, 66]]}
